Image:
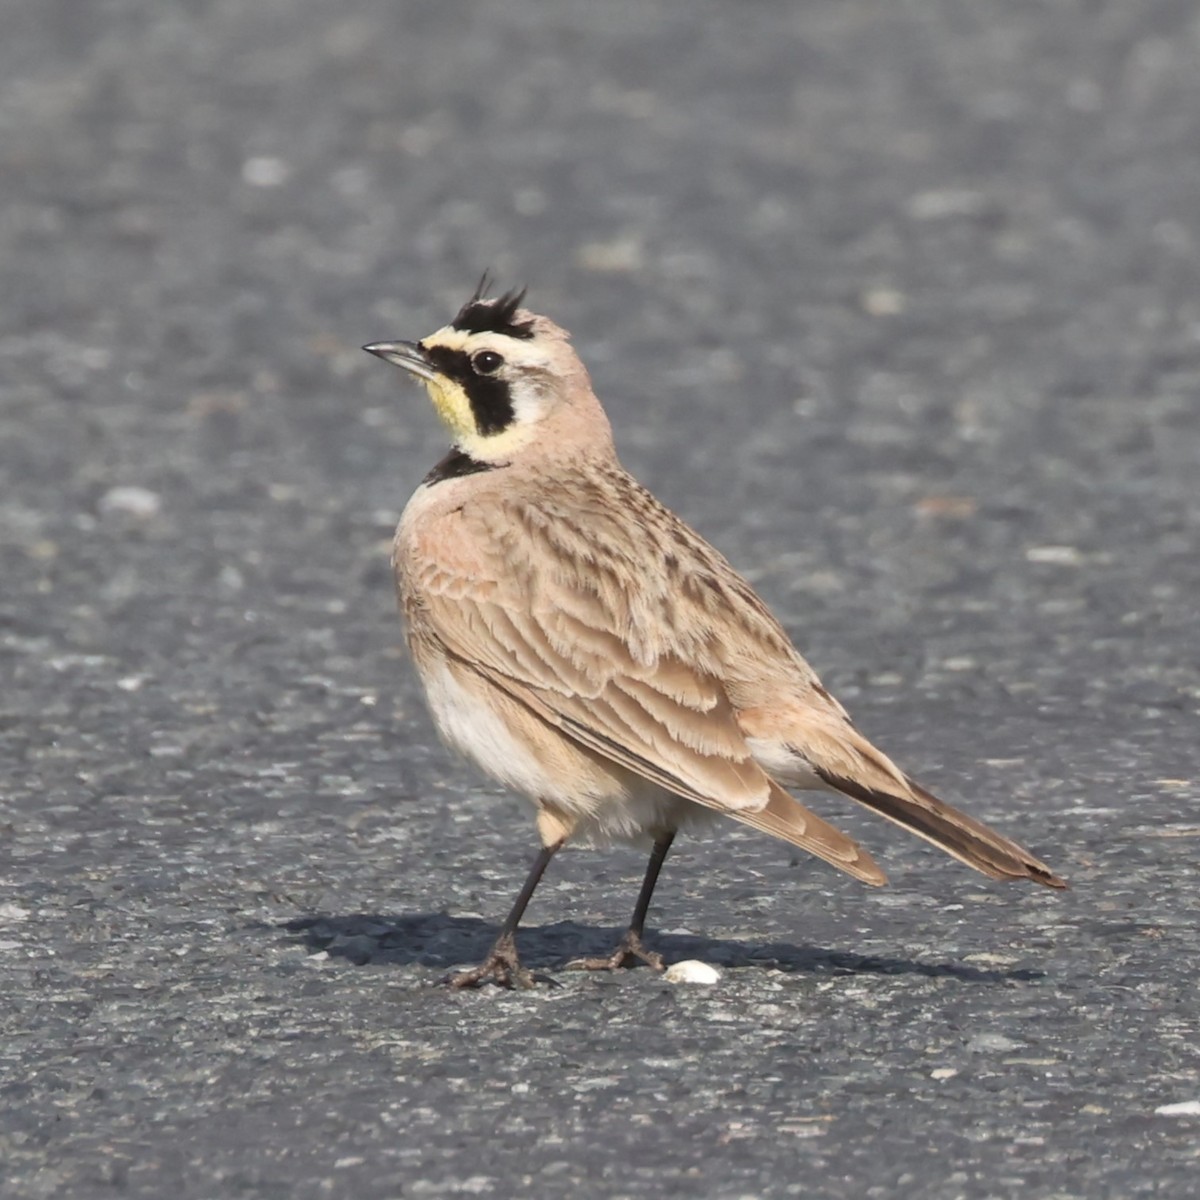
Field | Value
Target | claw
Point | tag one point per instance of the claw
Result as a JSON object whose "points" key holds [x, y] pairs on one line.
{"points": [[628, 954], [501, 967]]}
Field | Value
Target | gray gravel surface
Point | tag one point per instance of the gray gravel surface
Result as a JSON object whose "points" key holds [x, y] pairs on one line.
{"points": [[897, 302]]}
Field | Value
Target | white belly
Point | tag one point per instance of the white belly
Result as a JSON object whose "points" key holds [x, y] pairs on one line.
{"points": [[475, 728]]}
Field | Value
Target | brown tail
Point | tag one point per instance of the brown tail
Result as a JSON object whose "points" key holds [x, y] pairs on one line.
{"points": [[969, 840]]}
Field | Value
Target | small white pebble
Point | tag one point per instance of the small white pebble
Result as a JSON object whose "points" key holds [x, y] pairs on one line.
{"points": [[943, 1073], [983, 1042], [882, 302], [621, 254], [960, 662], [1185, 1108], [692, 970], [949, 202], [230, 578], [265, 172], [137, 501], [13, 912], [1062, 556]]}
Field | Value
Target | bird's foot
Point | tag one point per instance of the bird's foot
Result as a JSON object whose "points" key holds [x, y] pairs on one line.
{"points": [[628, 954], [501, 967]]}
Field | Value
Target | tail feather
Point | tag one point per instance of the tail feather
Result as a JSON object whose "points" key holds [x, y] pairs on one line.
{"points": [[968, 840], [785, 817]]}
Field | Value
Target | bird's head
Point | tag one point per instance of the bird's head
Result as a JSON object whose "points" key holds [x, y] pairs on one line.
{"points": [[502, 379]]}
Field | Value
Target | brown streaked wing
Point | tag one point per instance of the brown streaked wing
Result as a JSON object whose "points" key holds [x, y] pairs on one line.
{"points": [[674, 726], [609, 702]]}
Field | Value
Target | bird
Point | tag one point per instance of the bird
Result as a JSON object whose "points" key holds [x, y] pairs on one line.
{"points": [[585, 647]]}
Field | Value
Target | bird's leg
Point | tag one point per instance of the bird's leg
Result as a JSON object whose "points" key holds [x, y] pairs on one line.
{"points": [[630, 951], [502, 965]]}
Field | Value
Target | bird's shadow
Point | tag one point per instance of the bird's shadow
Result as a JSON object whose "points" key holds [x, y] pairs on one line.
{"points": [[443, 941]]}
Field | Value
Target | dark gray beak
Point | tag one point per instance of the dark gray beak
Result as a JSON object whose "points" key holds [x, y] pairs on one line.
{"points": [[408, 355]]}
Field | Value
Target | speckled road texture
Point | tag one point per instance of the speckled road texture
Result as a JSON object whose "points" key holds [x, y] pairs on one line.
{"points": [[898, 303]]}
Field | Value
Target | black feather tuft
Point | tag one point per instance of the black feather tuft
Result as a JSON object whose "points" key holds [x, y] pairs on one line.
{"points": [[483, 287], [498, 315]]}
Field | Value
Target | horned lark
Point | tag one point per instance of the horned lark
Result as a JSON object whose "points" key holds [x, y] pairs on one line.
{"points": [[585, 647]]}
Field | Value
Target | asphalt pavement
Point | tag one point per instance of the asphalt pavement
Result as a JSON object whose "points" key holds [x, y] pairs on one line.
{"points": [[897, 303]]}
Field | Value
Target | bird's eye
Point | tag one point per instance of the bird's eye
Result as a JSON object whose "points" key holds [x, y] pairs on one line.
{"points": [[487, 362]]}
